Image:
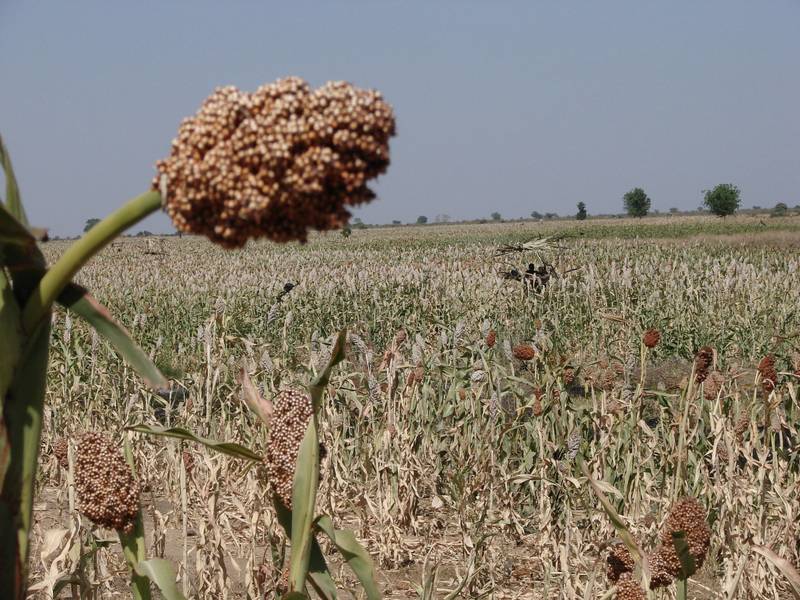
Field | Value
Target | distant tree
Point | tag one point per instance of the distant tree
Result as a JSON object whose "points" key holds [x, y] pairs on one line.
{"points": [[581, 216], [780, 210], [359, 224], [422, 219], [673, 211], [496, 216], [550, 215], [723, 200], [396, 222], [756, 207], [346, 231], [144, 233], [536, 215], [442, 218], [89, 224], [637, 203]]}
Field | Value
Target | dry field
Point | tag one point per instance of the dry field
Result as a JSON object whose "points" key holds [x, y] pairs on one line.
{"points": [[456, 462]]}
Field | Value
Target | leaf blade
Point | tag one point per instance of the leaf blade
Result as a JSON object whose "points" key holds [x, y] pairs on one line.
{"points": [[82, 303], [160, 572], [784, 566], [13, 200], [355, 555], [230, 448]]}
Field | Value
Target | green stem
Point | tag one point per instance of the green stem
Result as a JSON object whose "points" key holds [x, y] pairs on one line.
{"points": [[681, 589], [79, 253], [133, 544]]}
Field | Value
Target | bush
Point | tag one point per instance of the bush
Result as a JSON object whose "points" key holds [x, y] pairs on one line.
{"points": [[723, 200], [780, 210], [422, 219], [581, 216], [637, 203]]}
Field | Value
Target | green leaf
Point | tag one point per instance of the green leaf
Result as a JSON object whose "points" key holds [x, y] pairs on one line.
{"points": [[13, 200], [306, 477], [78, 300], [10, 349], [638, 555], [784, 566], [318, 574], [354, 554], [304, 496], [23, 420], [160, 572], [688, 566], [10, 336], [229, 448], [12, 231]]}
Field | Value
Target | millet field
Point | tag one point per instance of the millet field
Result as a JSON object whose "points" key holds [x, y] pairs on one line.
{"points": [[486, 426]]}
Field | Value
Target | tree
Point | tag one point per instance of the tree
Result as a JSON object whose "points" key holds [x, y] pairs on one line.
{"points": [[536, 215], [723, 200], [550, 215], [673, 211], [358, 224], [637, 203], [422, 219], [89, 224], [780, 210], [496, 216], [581, 216], [396, 222]]}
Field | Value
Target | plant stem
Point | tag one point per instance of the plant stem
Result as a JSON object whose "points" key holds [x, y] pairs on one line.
{"points": [[79, 253], [681, 589], [133, 544]]}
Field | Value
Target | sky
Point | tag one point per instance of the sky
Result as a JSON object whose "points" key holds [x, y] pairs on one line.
{"points": [[501, 105]]}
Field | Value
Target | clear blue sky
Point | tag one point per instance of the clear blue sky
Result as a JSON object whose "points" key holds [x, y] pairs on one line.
{"points": [[507, 106]]}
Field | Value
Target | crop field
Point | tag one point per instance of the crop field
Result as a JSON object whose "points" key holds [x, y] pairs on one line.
{"points": [[457, 430]]}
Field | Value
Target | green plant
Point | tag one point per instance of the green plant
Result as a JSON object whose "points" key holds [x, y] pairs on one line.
{"points": [[723, 200], [637, 203], [582, 214], [780, 210]]}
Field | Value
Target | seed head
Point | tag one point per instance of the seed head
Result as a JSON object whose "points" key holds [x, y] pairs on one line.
{"points": [[769, 376], [629, 589], [618, 561], [712, 385], [523, 352], [702, 362], [661, 574], [60, 450], [568, 376], [686, 515], [651, 338], [491, 338], [537, 402], [276, 162], [107, 490], [292, 412]]}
